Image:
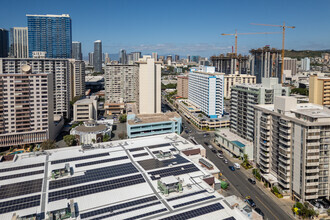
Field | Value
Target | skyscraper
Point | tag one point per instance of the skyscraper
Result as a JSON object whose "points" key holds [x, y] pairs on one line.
{"points": [[305, 64], [19, 44], [122, 57], [155, 56], [91, 58], [106, 58], [136, 56], [97, 59], [50, 33], [4, 43], [76, 50], [176, 58]]}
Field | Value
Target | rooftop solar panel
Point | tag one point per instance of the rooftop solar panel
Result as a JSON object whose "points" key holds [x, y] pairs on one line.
{"points": [[174, 171], [21, 188], [193, 201], [101, 161], [117, 207], [95, 174], [151, 164], [147, 214], [196, 212], [79, 191], [230, 218], [136, 149], [140, 155], [17, 204], [21, 167], [186, 195], [159, 145], [79, 158], [21, 175]]}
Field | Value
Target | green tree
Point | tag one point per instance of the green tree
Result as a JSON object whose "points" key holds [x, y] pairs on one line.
{"points": [[70, 140], [123, 118], [106, 138], [48, 144]]}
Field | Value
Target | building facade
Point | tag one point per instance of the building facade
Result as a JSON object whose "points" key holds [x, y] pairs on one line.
{"points": [[122, 57], [243, 99], [231, 64], [50, 33], [319, 90], [120, 82], [148, 86], [77, 81], [182, 86], [60, 70], [306, 64], [291, 146], [265, 63], [231, 80], [91, 58], [19, 43], [85, 109], [290, 67], [4, 42], [26, 109], [97, 56], [154, 56], [205, 90], [76, 50]]}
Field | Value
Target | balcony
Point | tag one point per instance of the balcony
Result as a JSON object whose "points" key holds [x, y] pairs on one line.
{"points": [[315, 190], [312, 170], [313, 177], [312, 184], [284, 142], [313, 137]]}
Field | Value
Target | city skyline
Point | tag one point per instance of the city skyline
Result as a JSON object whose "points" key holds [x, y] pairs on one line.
{"points": [[183, 32]]}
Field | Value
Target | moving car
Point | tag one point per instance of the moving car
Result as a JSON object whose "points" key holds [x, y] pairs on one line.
{"points": [[219, 155], [225, 160], [250, 202], [232, 168], [252, 181], [259, 212], [237, 166]]}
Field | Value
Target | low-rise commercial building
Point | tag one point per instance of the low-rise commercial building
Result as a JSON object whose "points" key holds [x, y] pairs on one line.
{"points": [[319, 90], [85, 109], [92, 132], [292, 147]]}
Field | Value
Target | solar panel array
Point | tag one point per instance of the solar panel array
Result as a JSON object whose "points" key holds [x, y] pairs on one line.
{"points": [[230, 218], [21, 167], [18, 204], [140, 155], [79, 158], [127, 210], [147, 214], [79, 191], [179, 170], [21, 175], [116, 207], [205, 163], [159, 145], [136, 149], [193, 201], [186, 195], [95, 174], [151, 164], [196, 212], [21, 188], [101, 161]]}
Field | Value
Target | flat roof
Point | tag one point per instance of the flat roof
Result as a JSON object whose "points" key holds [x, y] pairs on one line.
{"points": [[153, 118], [107, 181], [87, 100], [234, 138]]}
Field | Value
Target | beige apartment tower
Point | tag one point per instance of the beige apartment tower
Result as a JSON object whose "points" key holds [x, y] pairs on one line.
{"points": [[182, 86], [234, 79], [319, 90], [148, 86], [26, 108]]}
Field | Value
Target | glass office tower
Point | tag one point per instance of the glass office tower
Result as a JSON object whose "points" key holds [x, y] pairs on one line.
{"points": [[50, 33]]}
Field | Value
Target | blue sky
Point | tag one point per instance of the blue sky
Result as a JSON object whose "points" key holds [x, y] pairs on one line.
{"points": [[182, 27]]}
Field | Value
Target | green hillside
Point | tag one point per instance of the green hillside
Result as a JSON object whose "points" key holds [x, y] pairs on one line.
{"points": [[304, 53]]}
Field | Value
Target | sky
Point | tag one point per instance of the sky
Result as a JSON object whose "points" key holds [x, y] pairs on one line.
{"points": [[184, 27]]}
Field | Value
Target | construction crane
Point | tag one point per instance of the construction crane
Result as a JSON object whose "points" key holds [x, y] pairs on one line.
{"points": [[235, 34], [283, 39]]}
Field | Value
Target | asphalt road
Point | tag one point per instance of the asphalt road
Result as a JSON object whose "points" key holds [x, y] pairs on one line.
{"points": [[236, 178]]}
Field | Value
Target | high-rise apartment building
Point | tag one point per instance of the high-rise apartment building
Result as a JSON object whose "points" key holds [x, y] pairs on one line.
{"points": [[130, 59], [136, 56], [205, 90], [19, 44], [91, 58], [176, 58], [26, 109], [62, 72], [77, 79], [231, 64], [50, 33], [319, 90], [234, 79], [120, 82], [148, 86], [265, 63], [122, 57], [4, 43], [290, 66], [154, 56], [292, 147], [194, 59], [306, 64], [243, 99], [106, 58], [182, 86], [97, 56], [76, 50]]}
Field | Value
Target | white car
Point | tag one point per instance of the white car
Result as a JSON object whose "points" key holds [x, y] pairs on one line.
{"points": [[219, 155], [225, 160]]}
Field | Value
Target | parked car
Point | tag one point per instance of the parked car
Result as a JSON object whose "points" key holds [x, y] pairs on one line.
{"points": [[225, 160], [259, 212], [237, 166], [252, 181], [232, 168], [220, 156], [250, 202], [220, 151]]}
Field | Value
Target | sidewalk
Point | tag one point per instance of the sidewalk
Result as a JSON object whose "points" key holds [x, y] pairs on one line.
{"points": [[285, 204]]}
